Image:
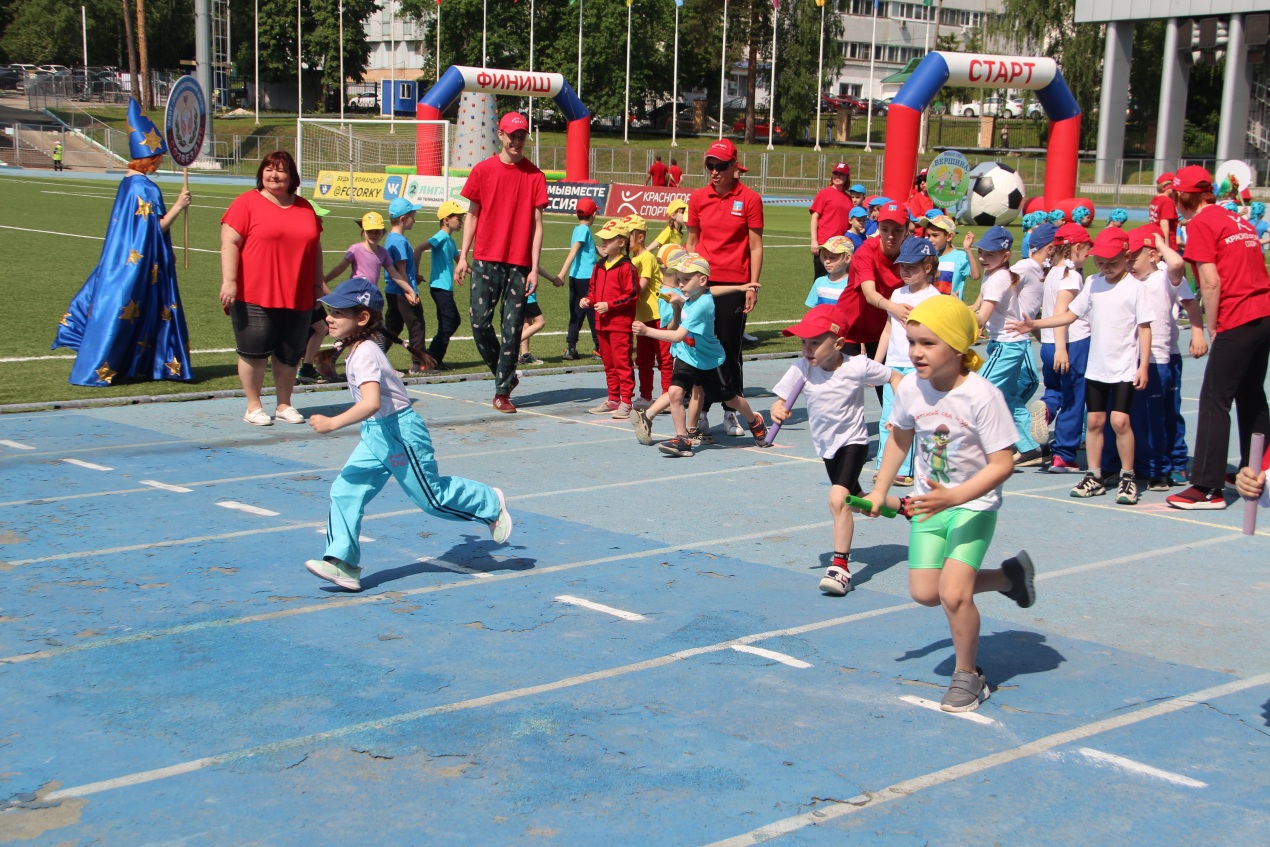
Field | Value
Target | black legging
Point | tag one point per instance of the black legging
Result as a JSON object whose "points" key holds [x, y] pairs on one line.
{"points": [[448, 322], [1236, 372], [729, 326]]}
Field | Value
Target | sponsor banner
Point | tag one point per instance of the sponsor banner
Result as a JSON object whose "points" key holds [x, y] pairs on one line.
{"points": [[999, 71], [563, 197], [643, 200], [430, 191], [361, 188], [494, 81]]}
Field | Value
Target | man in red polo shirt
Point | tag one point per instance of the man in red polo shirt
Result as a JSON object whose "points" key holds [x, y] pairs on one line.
{"points": [[657, 173], [725, 225], [867, 298], [1235, 289], [674, 174], [830, 214], [507, 193], [1163, 211]]}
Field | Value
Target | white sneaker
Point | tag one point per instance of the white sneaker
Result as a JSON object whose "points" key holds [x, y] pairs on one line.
{"points": [[501, 529], [1040, 427], [732, 424], [258, 417], [343, 575], [836, 581], [288, 414]]}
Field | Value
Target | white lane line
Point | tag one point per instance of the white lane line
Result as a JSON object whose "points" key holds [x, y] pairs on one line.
{"points": [[1139, 768], [245, 507], [771, 654], [16, 445], [1170, 515], [166, 486], [973, 717], [599, 607], [903, 789], [365, 539], [92, 466], [89, 237]]}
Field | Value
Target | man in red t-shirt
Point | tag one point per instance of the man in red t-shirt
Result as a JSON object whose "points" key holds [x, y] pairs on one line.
{"points": [[507, 194], [873, 276], [1235, 290], [1163, 211], [674, 174], [657, 173], [725, 225], [830, 214]]}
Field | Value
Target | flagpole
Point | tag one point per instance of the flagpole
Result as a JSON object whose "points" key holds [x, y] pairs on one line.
{"points": [[579, 86], [531, 63], [342, 63], [723, 70], [484, 30], [925, 129], [674, 86], [299, 65], [873, 49], [257, 62], [820, 73], [392, 72], [626, 112], [771, 90], [438, 56]]}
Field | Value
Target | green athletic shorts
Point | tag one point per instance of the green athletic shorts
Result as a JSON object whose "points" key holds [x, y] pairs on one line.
{"points": [[959, 534]]}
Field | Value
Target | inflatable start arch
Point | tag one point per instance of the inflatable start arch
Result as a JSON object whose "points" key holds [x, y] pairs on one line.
{"points": [[903, 125], [458, 79]]}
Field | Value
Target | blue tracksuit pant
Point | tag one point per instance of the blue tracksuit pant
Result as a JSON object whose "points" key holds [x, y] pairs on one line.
{"points": [[1065, 397], [884, 434], [399, 446], [1012, 368]]}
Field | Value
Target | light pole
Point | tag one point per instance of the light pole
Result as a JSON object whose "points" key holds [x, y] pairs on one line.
{"points": [[723, 70], [820, 73]]}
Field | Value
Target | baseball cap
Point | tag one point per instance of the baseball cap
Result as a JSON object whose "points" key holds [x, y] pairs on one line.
{"points": [[842, 168], [372, 220], [675, 205], [511, 122], [449, 207], [1192, 179], [635, 223], [942, 222], [996, 238], [915, 250], [400, 207], [694, 263], [725, 151], [613, 229], [893, 212], [586, 206], [858, 189], [858, 212], [1042, 236], [670, 255], [1071, 234], [1167, 176], [358, 291], [1110, 243], [838, 244], [820, 319], [1143, 236], [878, 201]]}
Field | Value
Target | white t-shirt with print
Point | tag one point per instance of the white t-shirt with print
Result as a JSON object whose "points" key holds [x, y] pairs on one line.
{"points": [[1165, 297], [897, 346], [835, 399], [954, 432], [1013, 302], [1114, 310], [1059, 279], [367, 363]]}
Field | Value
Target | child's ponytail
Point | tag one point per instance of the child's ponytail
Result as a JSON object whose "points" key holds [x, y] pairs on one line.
{"points": [[350, 341]]}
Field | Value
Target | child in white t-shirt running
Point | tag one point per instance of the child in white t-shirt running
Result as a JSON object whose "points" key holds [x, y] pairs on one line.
{"points": [[1120, 316], [1065, 349], [965, 445], [833, 389], [918, 267], [835, 255], [395, 443]]}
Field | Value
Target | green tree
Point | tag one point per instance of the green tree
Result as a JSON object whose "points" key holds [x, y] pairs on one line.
{"points": [[42, 31], [320, 42], [797, 60], [971, 42]]}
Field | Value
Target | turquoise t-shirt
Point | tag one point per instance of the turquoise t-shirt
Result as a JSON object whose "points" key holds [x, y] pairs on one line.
{"points": [[954, 270], [399, 249], [697, 316], [444, 257], [584, 260], [825, 290]]}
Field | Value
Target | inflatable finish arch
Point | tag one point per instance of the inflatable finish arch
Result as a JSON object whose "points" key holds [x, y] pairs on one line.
{"points": [[458, 79], [938, 69]]}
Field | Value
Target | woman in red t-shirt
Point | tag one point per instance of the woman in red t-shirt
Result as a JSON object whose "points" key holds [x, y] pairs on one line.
{"points": [[271, 276]]}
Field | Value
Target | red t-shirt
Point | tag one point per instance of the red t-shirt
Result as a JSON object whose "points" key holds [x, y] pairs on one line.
{"points": [[508, 195], [919, 204], [724, 222], [834, 208], [1222, 238], [1163, 208], [865, 322], [658, 173], [278, 256], [676, 175]]}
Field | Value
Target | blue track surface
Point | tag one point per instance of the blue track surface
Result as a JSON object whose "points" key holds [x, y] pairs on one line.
{"points": [[171, 673]]}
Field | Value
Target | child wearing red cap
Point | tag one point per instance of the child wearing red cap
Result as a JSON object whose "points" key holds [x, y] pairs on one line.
{"points": [[1163, 210], [833, 389]]}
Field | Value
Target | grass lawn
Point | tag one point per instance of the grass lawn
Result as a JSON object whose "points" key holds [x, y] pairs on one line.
{"points": [[50, 260]]}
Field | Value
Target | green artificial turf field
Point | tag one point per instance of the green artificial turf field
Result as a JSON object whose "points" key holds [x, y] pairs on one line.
{"points": [[52, 234]]}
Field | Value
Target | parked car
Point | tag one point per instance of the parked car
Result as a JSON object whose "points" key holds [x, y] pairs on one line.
{"points": [[11, 80], [993, 106], [881, 107], [368, 101], [1035, 109], [760, 128]]}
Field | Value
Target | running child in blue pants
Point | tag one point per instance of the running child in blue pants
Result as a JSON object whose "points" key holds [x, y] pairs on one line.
{"points": [[395, 442]]}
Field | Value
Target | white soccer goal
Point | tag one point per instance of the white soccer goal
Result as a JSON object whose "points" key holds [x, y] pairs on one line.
{"points": [[351, 155]]}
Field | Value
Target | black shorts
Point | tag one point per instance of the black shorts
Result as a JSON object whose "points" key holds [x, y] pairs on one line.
{"points": [[260, 332], [844, 466], [712, 382], [532, 310], [1099, 394]]}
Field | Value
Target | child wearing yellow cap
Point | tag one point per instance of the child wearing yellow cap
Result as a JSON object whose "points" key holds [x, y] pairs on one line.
{"points": [[652, 357], [964, 435], [673, 232], [612, 294]]}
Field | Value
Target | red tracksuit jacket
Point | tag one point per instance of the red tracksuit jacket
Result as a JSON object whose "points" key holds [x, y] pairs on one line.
{"points": [[618, 287]]}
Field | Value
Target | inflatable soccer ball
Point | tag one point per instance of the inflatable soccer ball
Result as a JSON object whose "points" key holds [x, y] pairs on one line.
{"points": [[996, 195]]}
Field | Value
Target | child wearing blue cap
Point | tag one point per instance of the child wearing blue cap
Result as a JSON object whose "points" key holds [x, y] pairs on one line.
{"points": [[395, 442], [858, 222], [404, 309]]}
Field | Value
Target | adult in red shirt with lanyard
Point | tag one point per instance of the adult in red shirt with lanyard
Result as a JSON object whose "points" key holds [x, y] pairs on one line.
{"points": [[507, 194], [657, 173], [866, 300], [1235, 290], [1163, 210], [830, 214], [725, 225], [674, 174]]}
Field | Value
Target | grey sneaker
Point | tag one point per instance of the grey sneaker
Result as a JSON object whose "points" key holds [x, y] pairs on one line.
{"points": [[678, 446], [1019, 570], [1040, 423], [643, 427], [1127, 493], [836, 581], [501, 529], [1090, 486], [966, 691], [698, 437], [342, 574]]}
